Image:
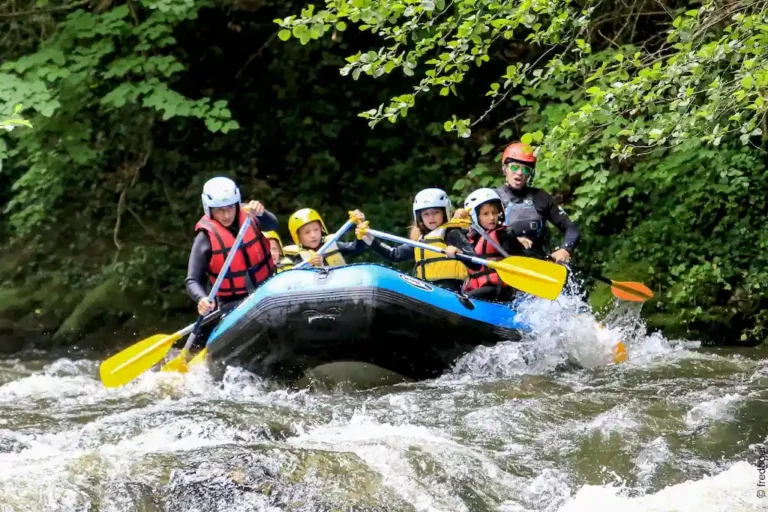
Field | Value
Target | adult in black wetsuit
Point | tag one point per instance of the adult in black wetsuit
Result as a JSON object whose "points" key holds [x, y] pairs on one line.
{"points": [[528, 208], [215, 234]]}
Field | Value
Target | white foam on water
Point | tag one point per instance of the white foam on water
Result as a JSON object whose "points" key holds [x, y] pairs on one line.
{"points": [[710, 411], [649, 459], [566, 331], [398, 453], [733, 490]]}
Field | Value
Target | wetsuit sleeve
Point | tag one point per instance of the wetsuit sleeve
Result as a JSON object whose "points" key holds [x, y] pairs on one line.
{"points": [[197, 268], [267, 221], [509, 241], [557, 216], [393, 254], [352, 248], [458, 238]]}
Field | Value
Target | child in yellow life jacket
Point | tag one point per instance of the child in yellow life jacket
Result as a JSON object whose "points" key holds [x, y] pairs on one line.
{"points": [[309, 233], [282, 262], [485, 209], [431, 213]]}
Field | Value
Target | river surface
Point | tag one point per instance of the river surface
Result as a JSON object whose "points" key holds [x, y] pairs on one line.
{"points": [[549, 424]]}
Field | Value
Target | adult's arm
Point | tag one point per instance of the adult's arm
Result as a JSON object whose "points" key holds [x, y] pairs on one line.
{"points": [[267, 221], [197, 268], [556, 215]]}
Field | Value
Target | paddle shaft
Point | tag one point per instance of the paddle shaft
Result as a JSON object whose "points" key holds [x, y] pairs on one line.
{"points": [[491, 241], [329, 242], [217, 284], [426, 247]]}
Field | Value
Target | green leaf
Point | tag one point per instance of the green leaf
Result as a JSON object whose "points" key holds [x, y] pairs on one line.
{"points": [[486, 148], [746, 82], [527, 138], [284, 35], [341, 26]]}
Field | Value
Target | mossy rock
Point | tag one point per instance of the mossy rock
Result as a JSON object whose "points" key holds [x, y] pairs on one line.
{"points": [[16, 302], [97, 305]]}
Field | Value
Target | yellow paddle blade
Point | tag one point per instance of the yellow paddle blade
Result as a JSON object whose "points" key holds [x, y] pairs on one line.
{"points": [[629, 290], [537, 277], [199, 358], [178, 363], [619, 353], [125, 366]]}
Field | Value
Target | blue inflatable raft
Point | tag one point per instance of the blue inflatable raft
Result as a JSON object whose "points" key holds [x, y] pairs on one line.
{"points": [[301, 319]]}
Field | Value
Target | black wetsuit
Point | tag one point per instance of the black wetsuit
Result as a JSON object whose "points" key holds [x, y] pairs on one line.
{"points": [[548, 210]]}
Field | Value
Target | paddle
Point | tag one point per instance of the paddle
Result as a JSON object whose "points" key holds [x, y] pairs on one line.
{"points": [[125, 366], [179, 363], [619, 351], [626, 290], [541, 278], [330, 241], [200, 357]]}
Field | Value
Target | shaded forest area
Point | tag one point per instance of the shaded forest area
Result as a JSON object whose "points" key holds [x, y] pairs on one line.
{"points": [[134, 105]]}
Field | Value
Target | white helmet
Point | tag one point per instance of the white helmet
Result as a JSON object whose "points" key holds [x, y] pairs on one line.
{"points": [[219, 192], [478, 198], [432, 198]]}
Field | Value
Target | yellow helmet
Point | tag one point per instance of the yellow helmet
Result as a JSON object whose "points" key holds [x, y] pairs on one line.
{"points": [[302, 218], [272, 235]]}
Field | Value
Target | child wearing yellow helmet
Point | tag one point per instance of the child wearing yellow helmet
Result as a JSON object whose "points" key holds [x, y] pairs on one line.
{"points": [[282, 262], [309, 233]]}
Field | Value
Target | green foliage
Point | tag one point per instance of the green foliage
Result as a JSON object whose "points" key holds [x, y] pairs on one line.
{"points": [[638, 127], [134, 106], [95, 68]]}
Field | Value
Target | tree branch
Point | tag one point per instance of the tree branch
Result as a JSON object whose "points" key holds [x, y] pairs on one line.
{"points": [[21, 14]]}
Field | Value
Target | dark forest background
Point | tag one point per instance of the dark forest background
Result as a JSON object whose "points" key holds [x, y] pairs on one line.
{"points": [[134, 105]]}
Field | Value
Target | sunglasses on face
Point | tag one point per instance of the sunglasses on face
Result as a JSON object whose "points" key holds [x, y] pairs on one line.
{"points": [[513, 168]]}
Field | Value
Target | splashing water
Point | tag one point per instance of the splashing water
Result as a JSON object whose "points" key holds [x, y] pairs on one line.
{"points": [[547, 424]]}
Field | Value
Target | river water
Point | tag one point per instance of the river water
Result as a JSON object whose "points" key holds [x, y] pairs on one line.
{"points": [[549, 424]]}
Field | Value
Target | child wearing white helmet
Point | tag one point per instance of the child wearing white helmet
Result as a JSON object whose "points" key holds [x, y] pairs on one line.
{"points": [[216, 232], [485, 209], [432, 224]]}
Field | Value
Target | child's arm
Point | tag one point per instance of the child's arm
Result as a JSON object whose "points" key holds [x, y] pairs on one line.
{"points": [[351, 248], [393, 254], [458, 238]]}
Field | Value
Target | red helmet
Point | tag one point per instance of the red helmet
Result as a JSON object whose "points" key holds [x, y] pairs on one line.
{"points": [[519, 152]]}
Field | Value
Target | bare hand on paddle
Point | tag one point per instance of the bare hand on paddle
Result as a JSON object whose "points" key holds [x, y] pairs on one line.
{"points": [[254, 209], [451, 251], [316, 260], [561, 256], [205, 306]]}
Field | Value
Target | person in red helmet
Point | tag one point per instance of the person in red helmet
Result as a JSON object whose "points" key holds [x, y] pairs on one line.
{"points": [[528, 209]]}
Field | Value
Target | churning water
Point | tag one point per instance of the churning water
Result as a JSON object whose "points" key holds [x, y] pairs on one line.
{"points": [[549, 424]]}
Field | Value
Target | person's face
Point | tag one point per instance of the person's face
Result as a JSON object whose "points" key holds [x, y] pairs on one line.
{"points": [[224, 215], [274, 249], [488, 215], [517, 175], [311, 235], [433, 217]]}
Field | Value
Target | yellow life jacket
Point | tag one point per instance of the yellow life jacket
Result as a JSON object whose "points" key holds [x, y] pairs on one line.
{"points": [[284, 264], [331, 258], [435, 266]]}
